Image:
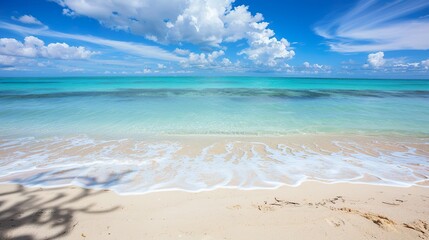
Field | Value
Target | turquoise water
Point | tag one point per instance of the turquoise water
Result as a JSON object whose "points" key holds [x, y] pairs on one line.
{"points": [[137, 135], [147, 106]]}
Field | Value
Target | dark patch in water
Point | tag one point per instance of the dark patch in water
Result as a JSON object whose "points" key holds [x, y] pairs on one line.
{"points": [[11, 92], [223, 92], [25, 82]]}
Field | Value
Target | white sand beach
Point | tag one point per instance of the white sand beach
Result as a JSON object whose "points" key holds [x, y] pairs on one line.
{"points": [[311, 211]]}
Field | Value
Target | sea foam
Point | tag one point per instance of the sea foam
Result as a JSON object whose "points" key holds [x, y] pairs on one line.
{"points": [[191, 164]]}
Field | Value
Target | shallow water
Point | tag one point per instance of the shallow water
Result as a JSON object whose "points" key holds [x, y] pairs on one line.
{"points": [[135, 135]]}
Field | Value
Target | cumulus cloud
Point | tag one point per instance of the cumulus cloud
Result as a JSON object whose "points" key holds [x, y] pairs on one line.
{"points": [[311, 68], [376, 60], [6, 60], [202, 60], [392, 65], [34, 47], [306, 64], [68, 12], [161, 66], [28, 19], [226, 62], [146, 70], [264, 48], [64, 51], [201, 22], [134, 48], [212, 60], [209, 22], [194, 21], [378, 25]]}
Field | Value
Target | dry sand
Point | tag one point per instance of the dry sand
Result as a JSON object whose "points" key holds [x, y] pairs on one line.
{"points": [[310, 211]]}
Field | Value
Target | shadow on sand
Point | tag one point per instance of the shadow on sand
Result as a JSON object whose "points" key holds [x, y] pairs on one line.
{"points": [[23, 211]]}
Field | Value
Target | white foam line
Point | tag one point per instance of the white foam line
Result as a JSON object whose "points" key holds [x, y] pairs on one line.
{"points": [[239, 160], [77, 184]]}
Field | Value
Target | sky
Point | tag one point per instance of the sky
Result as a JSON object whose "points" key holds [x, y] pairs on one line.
{"points": [[305, 38]]}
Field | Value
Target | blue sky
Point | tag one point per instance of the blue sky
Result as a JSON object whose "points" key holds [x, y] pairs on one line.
{"points": [[368, 38]]}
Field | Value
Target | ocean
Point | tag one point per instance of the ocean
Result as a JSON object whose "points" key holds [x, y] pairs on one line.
{"points": [[142, 134]]}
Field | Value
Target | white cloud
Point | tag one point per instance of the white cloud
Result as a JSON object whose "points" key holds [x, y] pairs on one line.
{"points": [[213, 61], [138, 49], [144, 71], [117, 62], [226, 62], [10, 46], [71, 69], [11, 69], [240, 22], [68, 12], [201, 22], [181, 72], [64, 51], [425, 64], [28, 19], [378, 25], [194, 21], [180, 51], [290, 69], [202, 60], [34, 47], [376, 60], [264, 48], [208, 22], [6, 60], [407, 65], [306, 64], [311, 68], [393, 65], [161, 66]]}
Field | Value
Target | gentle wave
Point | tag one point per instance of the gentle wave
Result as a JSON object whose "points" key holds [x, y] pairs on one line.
{"points": [[131, 167]]}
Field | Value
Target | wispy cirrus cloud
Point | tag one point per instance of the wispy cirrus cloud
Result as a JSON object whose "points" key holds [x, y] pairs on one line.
{"points": [[138, 49], [376, 25]]}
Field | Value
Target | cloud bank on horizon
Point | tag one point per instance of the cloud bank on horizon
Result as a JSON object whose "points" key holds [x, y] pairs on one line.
{"points": [[225, 37]]}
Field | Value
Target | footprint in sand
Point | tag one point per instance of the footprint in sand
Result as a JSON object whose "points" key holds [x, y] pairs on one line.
{"points": [[235, 207], [335, 222], [379, 220], [397, 202], [277, 203], [265, 208]]}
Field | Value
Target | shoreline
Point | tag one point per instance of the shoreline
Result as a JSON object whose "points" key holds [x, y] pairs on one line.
{"points": [[311, 210], [424, 184], [194, 164], [392, 135]]}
